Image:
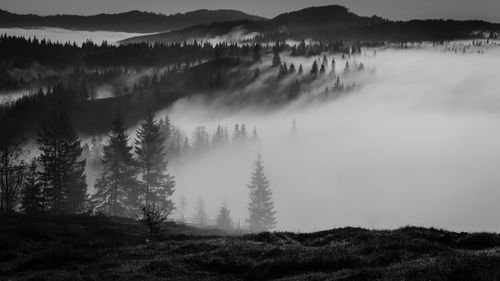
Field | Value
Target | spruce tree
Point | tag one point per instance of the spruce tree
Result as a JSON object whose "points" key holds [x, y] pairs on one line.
{"points": [[201, 140], [322, 70], [314, 69], [261, 206], [325, 62], [157, 184], [224, 220], [117, 192], [236, 134], [219, 137], [243, 133], [347, 68], [60, 154]]}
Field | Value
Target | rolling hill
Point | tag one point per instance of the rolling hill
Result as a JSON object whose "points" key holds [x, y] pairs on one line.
{"points": [[133, 21], [313, 18], [100, 248], [329, 23]]}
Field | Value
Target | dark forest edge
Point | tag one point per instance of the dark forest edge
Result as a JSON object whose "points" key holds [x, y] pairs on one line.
{"points": [[152, 77]]}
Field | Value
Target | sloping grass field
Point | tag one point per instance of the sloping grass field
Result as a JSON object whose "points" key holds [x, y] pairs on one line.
{"points": [[99, 248]]}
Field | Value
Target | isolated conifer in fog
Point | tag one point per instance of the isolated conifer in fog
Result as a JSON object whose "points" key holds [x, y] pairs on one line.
{"points": [[201, 140], [157, 184], [292, 69], [333, 66], [322, 69], [261, 207], [117, 192], [314, 69], [337, 87], [255, 136], [243, 133], [60, 152], [301, 70], [236, 134], [347, 67], [325, 61], [224, 220], [32, 191]]}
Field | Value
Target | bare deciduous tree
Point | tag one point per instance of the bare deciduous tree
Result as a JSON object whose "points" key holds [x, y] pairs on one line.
{"points": [[153, 216]]}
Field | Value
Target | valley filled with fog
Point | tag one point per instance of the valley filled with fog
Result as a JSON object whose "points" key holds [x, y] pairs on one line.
{"points": [[415, 141], [215, 143], [418, 143]]}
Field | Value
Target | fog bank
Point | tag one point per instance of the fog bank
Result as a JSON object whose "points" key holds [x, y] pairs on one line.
{"points": [[418, 143]]}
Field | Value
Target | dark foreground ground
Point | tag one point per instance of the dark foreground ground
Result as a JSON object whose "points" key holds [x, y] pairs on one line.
{"points": [[97, 248]]}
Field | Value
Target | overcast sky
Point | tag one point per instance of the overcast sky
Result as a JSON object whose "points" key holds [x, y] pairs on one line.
{"points": [[392, 9]]}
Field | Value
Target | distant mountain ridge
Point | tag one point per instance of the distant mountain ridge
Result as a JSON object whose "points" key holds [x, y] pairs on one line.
{"points": [[312, 18], [330, 23], [132, 21]]}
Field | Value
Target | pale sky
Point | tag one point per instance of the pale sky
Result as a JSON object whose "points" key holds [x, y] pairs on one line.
{"points": [[392, 9]]}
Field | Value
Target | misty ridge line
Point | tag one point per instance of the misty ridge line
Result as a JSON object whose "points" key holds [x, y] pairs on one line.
{"points": [[317, 22]]}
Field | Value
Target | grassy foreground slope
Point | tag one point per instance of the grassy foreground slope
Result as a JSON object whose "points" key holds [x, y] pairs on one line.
{"points": [[97, 248]]}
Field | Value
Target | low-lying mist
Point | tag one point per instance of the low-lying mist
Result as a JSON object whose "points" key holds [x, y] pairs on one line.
{"points": [[417, 144]]}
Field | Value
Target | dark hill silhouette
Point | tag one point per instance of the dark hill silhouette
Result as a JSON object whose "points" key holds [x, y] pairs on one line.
{"points": [[312, 18], [328, 23], [332, 16], [199, 32], [133, 21]]}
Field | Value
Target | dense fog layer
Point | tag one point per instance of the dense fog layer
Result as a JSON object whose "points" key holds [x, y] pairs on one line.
{"points": [[417, 144]]}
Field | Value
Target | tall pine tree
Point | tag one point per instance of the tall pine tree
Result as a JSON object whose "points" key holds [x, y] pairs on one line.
{"points": [[61, 151], [261, 206], [117, 190], [157, 184]]}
